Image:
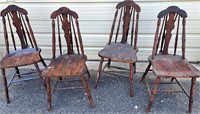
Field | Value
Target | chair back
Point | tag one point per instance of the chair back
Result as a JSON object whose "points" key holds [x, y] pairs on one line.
{"points": [[125, 23], [169, 30], [66, 20], [17, 29]]}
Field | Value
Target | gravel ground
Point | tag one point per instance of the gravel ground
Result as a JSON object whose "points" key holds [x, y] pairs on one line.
{"points": [[111, 96]]}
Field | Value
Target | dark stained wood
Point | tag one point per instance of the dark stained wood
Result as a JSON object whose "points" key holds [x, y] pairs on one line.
{"points": [[166, 63], [122, 44], [24, 53], [68, 62]]}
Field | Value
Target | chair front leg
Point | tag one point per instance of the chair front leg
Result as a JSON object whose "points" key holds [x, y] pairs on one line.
{"points": [[131, 79], [5, 89], [87, 91], [99, 72], [48, 92], [153, 94], [17, 71], [192, 93]]}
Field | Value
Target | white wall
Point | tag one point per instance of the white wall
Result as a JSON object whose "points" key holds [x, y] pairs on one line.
{"points": [[95, 18]]}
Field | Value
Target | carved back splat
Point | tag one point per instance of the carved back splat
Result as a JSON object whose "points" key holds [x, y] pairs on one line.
{"points": [[71, 31], [169, 20], [126, 22], [16, 17]]}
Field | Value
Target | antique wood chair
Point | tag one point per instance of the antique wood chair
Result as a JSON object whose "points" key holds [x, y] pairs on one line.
{"points": [[123, 47], [67, 62], [165, 61], [21, 46]]}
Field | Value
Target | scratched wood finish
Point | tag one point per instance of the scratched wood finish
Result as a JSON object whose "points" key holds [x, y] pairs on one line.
{"points": [[16, 25], [67, 61], [168, 63], [122, 44]]}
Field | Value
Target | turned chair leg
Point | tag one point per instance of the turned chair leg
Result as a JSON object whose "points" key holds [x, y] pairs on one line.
{"points": [[48, 92], [99, 72], [192, 92], [40, 75], [5, 89], [131, 79], [17, 72], [87, 91], [89, 78], [145, 73], [153, 94], [109, 62]]}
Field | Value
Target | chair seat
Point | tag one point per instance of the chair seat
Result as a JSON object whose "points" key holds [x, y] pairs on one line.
{"points": [[20, 57], [66, 65], [173, 66], [119, 52]]}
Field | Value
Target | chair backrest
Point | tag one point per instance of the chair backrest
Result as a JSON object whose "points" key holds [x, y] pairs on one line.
{"points": [[170, 28], [66, 20], [126, 23], [16, 23]]}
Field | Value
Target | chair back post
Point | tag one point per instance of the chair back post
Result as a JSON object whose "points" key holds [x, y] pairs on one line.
{"points": [[5, 35], [183, 38], [53, 40], [156, 39]]}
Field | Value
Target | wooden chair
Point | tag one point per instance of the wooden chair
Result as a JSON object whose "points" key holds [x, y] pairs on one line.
{"points": [[21, 46], [165, 61], [69, 62], [123, 47]]}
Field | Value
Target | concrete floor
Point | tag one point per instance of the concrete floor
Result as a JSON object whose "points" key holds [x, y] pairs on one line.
{"points": [[111, 96]]}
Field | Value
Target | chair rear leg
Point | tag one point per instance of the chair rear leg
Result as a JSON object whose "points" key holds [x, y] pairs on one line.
{"points": [[17, 71], [134, 66], [89, 78], [48, 92], [40, 75], [109, 62], [145, 73], [5, 90], [99, 72], [153, 94], [131, 79], [42, 60], [87, 91]]}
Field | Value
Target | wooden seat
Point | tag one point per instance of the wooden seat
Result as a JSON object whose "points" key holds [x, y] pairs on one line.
{"points": [[123, 47], [21, 46], [166, 61], [69, 60]]}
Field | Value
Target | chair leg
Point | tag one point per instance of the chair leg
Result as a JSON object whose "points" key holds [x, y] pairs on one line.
{"points": [[109, 62], [48, 92], [42, 60], [99, 72], [145, 73], [153, 94], [87, 91], [134, 66], [17, 71], [40, 75], [89, 78], [5, 90], [131, 80], [192, 92]]}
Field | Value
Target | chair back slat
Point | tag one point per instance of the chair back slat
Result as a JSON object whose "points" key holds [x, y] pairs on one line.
{"points": [[12, 35], [71, 31], [59, 37], [171, 18], [125, 24]]}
